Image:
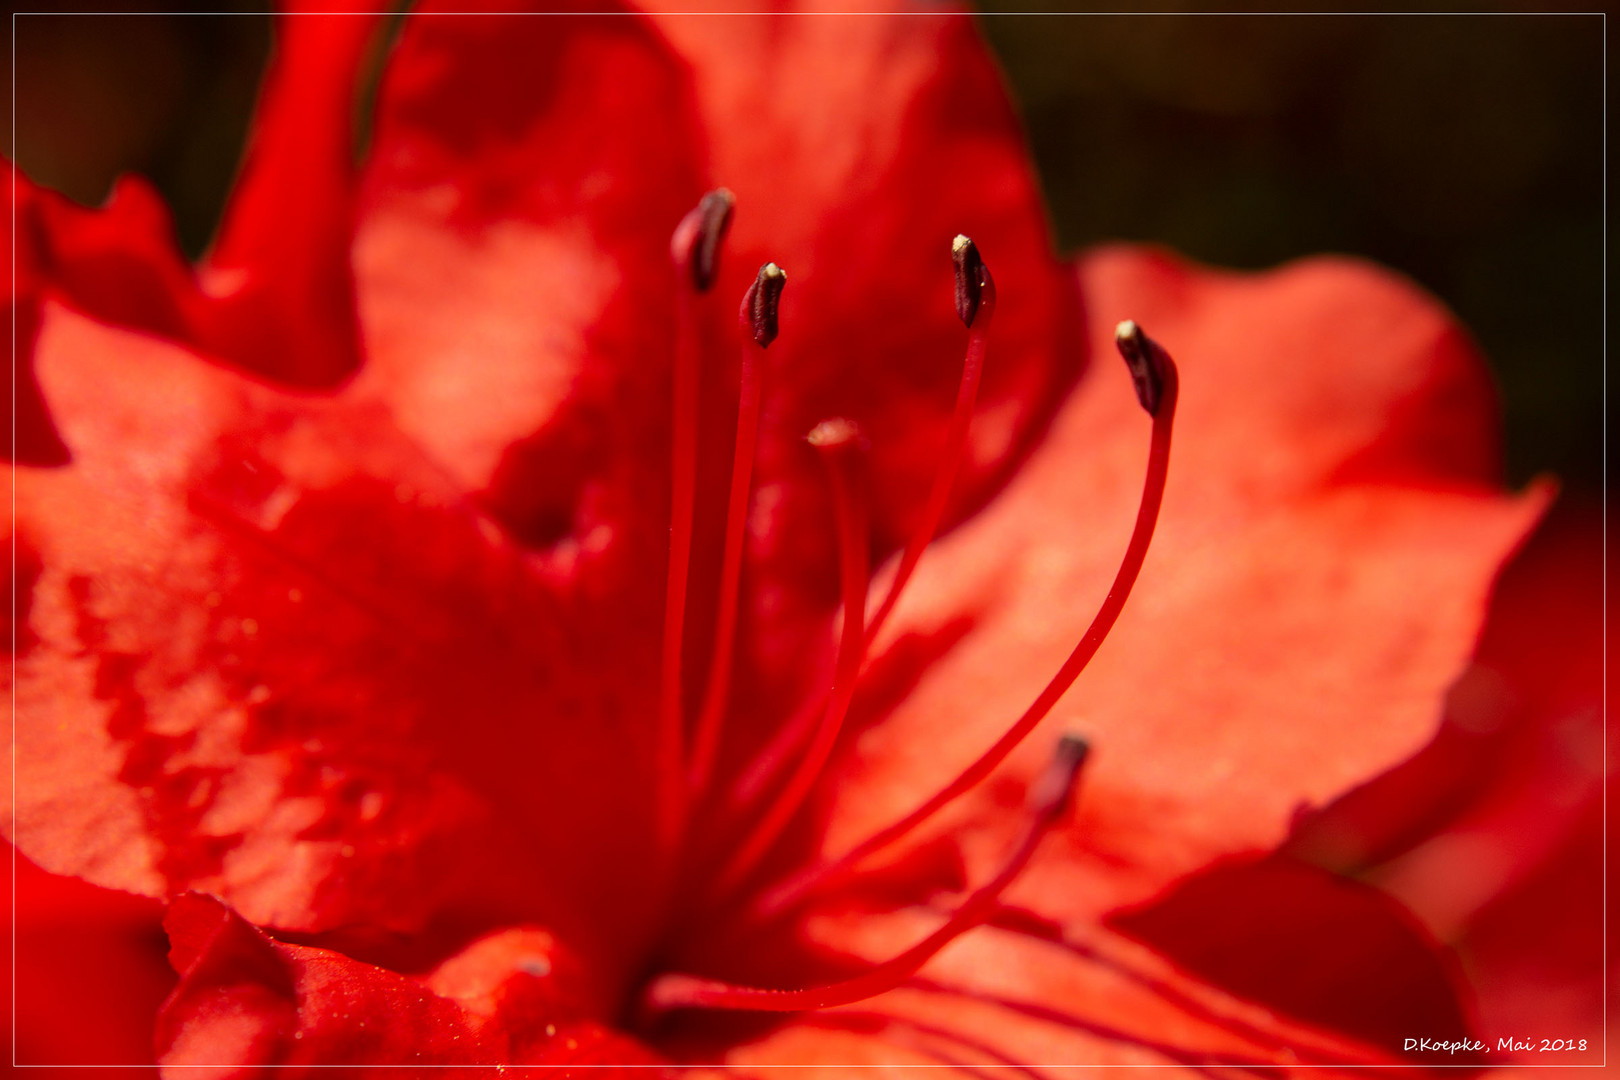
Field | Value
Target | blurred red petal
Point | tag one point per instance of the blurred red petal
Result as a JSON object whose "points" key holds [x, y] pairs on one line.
{"points": [[283, 292], [1312, 945], [1490, 834], [277, 297], [89, 975]]}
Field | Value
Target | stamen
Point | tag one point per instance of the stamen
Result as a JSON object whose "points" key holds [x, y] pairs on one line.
{"points": [[1148, 363], [1049, 799], [976, 304], [1164, 384], [760, 303], [773, 756], [694, 250], [696, 243], [972, 278], [838, 441], [718, 688]]}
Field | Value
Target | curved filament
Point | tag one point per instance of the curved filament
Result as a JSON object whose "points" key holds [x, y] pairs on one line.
{"points": [[1049, 797], [774, 755], [837, 451], [789, 891], [716, 691]]}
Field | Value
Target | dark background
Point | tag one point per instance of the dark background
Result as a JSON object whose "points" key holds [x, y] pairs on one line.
{"points": [[1463, 150]]}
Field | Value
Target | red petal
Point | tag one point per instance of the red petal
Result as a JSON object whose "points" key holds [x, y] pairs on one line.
{"points": [[1519, 755], [278, 296], [1312, 945], [36, 438], [279, 272], [1535, 952], [517, 296], [247, 1000], [280, 657], [90, 972], [1534, 949], [118, 264], [1491, 833], [514, 263]]}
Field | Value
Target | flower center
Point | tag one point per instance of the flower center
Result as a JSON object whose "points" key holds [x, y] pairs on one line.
{"points": [[770, 791]]}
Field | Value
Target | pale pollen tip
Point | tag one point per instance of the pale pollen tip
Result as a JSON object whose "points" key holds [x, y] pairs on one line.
{"points": [[760, 304], [837, 431], [1146, 361], [973, 284]]}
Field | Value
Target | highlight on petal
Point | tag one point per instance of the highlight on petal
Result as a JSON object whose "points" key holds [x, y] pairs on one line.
{"points": [[541, 376], [274, 654]]}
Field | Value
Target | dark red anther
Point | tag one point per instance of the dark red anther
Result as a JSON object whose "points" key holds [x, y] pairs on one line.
{"points": [[696, 243], [760, 303], [1146, 359], [974, 286], [1052, 792]]}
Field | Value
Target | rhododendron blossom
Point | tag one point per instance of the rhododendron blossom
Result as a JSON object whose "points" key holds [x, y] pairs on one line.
{"points": [[660, 564]]}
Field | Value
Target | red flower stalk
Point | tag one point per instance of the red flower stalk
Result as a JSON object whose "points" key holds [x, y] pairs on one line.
{"points": [[434, 604]]}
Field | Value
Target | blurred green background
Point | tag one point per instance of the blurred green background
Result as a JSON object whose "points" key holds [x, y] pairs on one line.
{"points": [[1463, 150]]}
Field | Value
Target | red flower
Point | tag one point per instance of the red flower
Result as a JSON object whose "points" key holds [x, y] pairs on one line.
{"points": [[345, 581]]}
